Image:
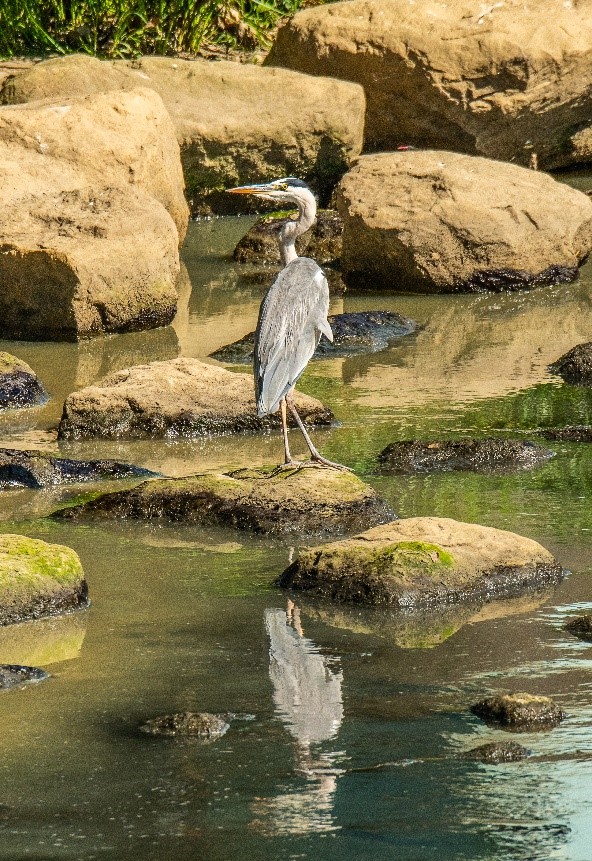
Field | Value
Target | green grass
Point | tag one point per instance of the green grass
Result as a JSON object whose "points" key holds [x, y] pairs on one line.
{"points": [[129, 28]]}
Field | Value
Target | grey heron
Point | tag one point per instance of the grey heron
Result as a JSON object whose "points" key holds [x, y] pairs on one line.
{"points": [[293, 314]]}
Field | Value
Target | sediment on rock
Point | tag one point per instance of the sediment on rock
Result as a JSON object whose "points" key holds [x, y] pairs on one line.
{"points": [[353, 334], [19, 385], [201, 725], [475, 455], [422, 562], [269, 501], [179, 398], [39, 469]]}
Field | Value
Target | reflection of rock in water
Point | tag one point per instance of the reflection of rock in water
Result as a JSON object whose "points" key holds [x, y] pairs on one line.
{"points": [[307, 692], [307, 696], [43, 641]]}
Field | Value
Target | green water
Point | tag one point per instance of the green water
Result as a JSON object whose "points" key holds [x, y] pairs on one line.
{"points": [[187, 619]]}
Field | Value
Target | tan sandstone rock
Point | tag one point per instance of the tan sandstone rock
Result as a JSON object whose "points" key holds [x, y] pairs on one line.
{"points": [[91, 218], [422, 562], [235, 123], [439, 221], [183, 397], [509, 80]]}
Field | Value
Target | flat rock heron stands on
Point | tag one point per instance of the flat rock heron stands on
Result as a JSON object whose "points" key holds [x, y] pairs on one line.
{"points": [[293, 314]]}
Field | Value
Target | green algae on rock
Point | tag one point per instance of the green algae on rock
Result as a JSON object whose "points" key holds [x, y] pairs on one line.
{"points": [[310, 501], [19, 386], [422, 562], [38, 579]]}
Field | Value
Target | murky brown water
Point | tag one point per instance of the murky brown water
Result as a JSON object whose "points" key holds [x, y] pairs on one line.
{"points": [[187, 619]]}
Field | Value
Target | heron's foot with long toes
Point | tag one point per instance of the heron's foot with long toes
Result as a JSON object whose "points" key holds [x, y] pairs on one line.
{"points": [[319, 461]]}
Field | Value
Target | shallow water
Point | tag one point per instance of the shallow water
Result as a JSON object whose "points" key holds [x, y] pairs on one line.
{"points": [[357, 718]]}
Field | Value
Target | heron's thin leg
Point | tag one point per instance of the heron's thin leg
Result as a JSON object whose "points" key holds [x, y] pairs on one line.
{"points": [[315, 455], [288, 457]]}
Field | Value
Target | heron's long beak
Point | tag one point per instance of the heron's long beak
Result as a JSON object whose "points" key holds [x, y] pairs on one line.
{"points": [[249, 189]]}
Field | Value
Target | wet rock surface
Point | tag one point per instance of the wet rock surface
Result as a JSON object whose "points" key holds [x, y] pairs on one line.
{"points": [[38, 579], [178, 398], [322, 242], [201, 725], [575, 366], [14, 675], [437, 222], [80, 176], [573, 433], [507, 81], [235, 123], [497, 752], [37, 469], [474, 455], [19, 385], [298, 501], [421, 562], [580, 627], [353, 334], [519, 712]]}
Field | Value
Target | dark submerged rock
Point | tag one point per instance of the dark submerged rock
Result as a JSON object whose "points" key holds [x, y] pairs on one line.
{"points": [[497, 752], [269, 501], [573, 433], [498, 280], [354, 333], [37, 469], [519, 712], [580, 627], [575, 366], [322, 242], [19, 386], [423, 562], [474, 455], [202, 725], [13, 675]]}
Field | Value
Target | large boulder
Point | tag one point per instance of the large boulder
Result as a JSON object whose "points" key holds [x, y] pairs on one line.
{"points": [[424, 562], [19, 385], [235, 123], [443, 222], [311, 501], [92, 216], [182, 397], [38, 579], [506, 80]]}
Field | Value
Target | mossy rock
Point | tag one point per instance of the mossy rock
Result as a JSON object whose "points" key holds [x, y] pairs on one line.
{"points": [[19, 386], [38, 579], [300, 501], [519, 712], [423, 562]]}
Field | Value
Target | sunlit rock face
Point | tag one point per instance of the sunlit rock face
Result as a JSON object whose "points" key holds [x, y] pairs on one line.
{"points": [[235, 123], [179, 398], [440, 222], [421, 562], [506, 80], [92, 214], [270, 501]]}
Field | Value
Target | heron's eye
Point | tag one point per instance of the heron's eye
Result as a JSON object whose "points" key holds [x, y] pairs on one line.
{"points": [[284, 186]]}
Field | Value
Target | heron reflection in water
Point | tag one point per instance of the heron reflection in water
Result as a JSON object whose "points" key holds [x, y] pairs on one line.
{"points": [[293, 315], [308, 698]]}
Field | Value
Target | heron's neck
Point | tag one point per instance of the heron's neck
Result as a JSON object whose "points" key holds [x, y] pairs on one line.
{"points": [[307, 209]]}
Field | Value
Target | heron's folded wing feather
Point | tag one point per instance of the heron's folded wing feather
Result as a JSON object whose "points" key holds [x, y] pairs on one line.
{"points": [[292, 318]]}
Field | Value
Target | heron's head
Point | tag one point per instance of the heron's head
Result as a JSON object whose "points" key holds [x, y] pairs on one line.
{"points": [[285, 190]]}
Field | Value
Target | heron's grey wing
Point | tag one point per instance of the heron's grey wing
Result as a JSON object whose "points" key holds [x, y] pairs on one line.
{"points": [[292, 318]]}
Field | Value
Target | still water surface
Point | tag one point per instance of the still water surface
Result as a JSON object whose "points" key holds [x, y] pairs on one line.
{"points": [[356, 719]]}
